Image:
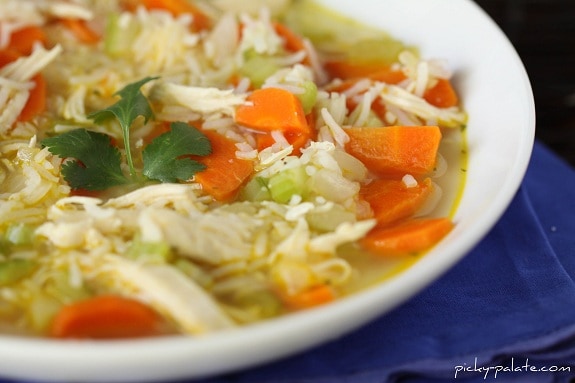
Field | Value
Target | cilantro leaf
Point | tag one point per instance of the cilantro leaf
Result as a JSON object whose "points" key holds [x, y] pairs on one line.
{"points": [[131, 105], [164, 157], [95, 163]]}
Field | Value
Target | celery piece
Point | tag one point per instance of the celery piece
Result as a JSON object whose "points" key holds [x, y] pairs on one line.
{"points": [[258, 68], [119, 36], [14, 270], [4, 246], [193, 271], [308, 97], [328, 220], [156, 252], [339, 35], [19, 234], [373, 120], [255, 190], [384, 50], [263, 303], [41, 310], [287, 183], [61, 288]]}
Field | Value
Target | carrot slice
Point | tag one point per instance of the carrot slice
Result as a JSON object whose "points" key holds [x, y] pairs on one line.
{"points": [[270, 109], [312, 297], [413, 236], [442, 94], [23, 40], [36, 103], [106, 317], [395, 150], [275, 109], [292, 41], [81, 30], [391, 200], [377, 71], [7, 56], [201, 21], [224, 173]]}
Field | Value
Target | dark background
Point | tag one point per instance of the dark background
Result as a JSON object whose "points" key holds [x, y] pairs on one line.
{"points": [[543, 33]]}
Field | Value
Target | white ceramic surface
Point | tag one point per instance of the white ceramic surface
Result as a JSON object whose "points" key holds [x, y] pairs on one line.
{"points": [[497, 95]]}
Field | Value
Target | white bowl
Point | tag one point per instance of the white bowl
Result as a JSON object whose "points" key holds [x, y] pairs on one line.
{"points": [[497, 95]]}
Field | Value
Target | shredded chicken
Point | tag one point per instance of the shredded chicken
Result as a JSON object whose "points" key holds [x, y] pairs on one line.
{"points": [[206, 101], [168, 291]]}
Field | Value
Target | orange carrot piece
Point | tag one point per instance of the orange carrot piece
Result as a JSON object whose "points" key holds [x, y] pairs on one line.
{"points": [[201, 21], [374, 70], [391, 200], [23, 40], [81, 30], [224, 173], [378, 107], [36, 103], [7, 56], [275, 109], [106, 317], [395, 150], [270, 109], [312, 297], [442, 94], [263, 141], [413, 236], [292, 41]]}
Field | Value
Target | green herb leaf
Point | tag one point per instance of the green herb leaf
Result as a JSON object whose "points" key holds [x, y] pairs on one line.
{"points": [[95, 163], [131, 105], [165, 158]]}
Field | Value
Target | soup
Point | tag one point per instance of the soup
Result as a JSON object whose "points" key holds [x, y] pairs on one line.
{"points": [[188, 167]]}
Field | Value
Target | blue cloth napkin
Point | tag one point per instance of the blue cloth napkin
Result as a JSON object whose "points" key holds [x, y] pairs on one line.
{"points": [[505, 313]]}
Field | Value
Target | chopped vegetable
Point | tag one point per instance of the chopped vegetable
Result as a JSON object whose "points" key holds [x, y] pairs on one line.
{"points": [[274, 109], [14, 270], [410, 237], [255, 190], [285, 184], [224, 173], [201, 21], [309, 96], [441, 94], [81, 30], [119, 36], [23, 39], [353, 70], [391, 200], [292, 41], [258, 67], [19, 234], [36, 103], [395, 150], [315, 296], [106, 317], [7, 56]]}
